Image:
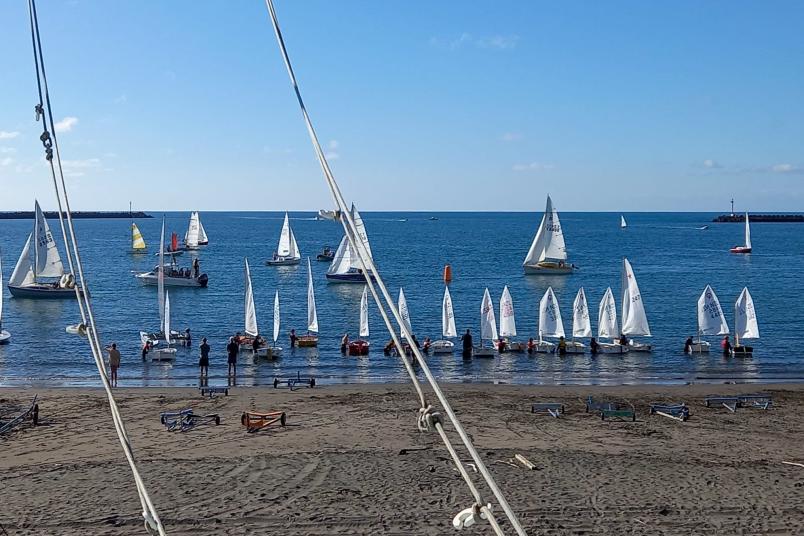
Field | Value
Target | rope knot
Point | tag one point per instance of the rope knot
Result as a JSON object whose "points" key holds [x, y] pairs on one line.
{"points": [[469, 516], [428, 418], [39, 111]]}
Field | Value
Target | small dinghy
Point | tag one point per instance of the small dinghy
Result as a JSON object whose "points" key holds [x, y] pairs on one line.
{"points": [[346, 267], [165, 352], [745, 324], [360, 347], [311, 339], [607, 326], [5, 336], [195, 235], [164, 333], [326, 255], [275, 351], [287, 252], [39, 274], [251, 329], [635, 321], [488, 328], [747, 247], [711, 320], [508, 324], [137, 242], [548, 253], [623, 224], [581, 324], [448, 330], [550, 323]]}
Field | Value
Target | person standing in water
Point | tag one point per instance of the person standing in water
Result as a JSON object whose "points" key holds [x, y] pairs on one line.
{"points": [[231, 351], [196, 268], [114, 362], [466, 339], [293, 338], [203, 362]]}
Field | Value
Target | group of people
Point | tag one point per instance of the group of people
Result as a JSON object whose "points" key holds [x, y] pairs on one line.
{"points": [[725, 346]]}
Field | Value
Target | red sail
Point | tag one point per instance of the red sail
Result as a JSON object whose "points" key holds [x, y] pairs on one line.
{"points": [[174, 242]]}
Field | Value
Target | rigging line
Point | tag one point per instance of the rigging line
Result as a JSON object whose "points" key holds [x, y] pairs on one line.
{"points": [[366, 260], [149, 513]]}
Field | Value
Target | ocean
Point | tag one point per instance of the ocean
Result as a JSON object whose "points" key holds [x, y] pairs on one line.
{"points": [[673, 261]]}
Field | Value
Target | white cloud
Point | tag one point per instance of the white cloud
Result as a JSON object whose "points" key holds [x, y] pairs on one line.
{"points": [[533, 166], [786, 168], [121, 99], [496, 42], [511, 136], [7, 161], [711, 164], [66, 124], [6, 135], [79, 168], [7, 150]]}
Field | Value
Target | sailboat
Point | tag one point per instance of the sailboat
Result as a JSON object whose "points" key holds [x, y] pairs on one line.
{"points": [[607, 325], [165, 352], [345, 267], [361, 345], [287, 252], [43, 275], [581, 324], [623, 225], [634, 321], [164, 332], [203, 239], [508, 323], [4, 335], [488, 327], [710, 319], [193, 234], [402, 305], [548, 253], [275, 351], [550, 323], [137, 242], [747, 247], [745, 324], [448, 330], [311, 339], [174, 249]]}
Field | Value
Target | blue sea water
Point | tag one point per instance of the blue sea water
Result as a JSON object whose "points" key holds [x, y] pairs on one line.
{"points": [[672, 259]]}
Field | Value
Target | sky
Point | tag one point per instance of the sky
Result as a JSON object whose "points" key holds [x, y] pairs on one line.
{"points": [[607, 106]]}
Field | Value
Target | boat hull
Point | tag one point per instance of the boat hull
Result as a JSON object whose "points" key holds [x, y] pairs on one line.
{"points": [[740, 249], [151, 278], [5, 337], [612, 348], [640, 347], [359, 348], [283, 262], [548, 268], [701, 347], [324, 258], [307, 341], [268, 352], [442, 347], [483, 353], [41, 292], [576, 348], [163, 354], [347, 278], [742, 351]]}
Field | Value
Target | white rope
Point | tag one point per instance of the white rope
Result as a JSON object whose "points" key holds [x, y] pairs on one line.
{"points": [[369, 269], [152, 522]]}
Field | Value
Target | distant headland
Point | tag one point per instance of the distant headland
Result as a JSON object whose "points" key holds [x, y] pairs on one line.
{"points": [[762, 218], [88, 215]]}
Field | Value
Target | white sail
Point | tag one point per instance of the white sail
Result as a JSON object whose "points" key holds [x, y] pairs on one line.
{"points": [[581, 324], [1, 291], [287, 242], [167, 318], [294, 247], [364, 323], [160, 277], [710, 315], [488, 324], [361, 231], [47, 262], [312, 315], [634, 319], [249, 308], [745, 318], [402, 305], [23, 272], [747, 232], [607, 316], [202, 234], [549, 240], [137, 242], [276, 316], [193, 232], [550, 323], [447, 316], [507, 320], [342, 261], [623, 225]]}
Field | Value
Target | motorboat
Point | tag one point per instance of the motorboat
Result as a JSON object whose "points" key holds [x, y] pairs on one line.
{"points": [[174, 276], [326, 255]]}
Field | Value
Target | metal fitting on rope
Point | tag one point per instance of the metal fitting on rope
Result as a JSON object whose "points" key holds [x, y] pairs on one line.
{"points": [[428, 418], [468, 517], [48, 143], [151, 526], [39, 111]]}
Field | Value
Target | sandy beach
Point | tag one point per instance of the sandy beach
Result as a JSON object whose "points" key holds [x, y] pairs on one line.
{"points": [[337, 468]]}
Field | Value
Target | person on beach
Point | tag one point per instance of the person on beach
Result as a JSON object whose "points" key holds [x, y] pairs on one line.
{"points": [[293, 338], [594, 347], [196, 267], [688, 345], [114, 362], [562, 346], [145, 349], [725, 345], [345, 343], [531, 346], [231, 350], [466, 339]]}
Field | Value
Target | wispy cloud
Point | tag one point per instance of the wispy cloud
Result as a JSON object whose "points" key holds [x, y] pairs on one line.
{"points": [[6, 135], [121, 99], [711, 164], [533, 166], [7, 150], [786, 168], [494, 42], [714, 167], [66, 124], [511, 136], [333, 154], [7, 161], [79, 168]]}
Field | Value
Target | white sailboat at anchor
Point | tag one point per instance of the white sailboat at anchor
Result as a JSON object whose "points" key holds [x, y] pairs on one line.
{"points": [[634, 321], [581, 323], [548, 253], [196, 235], [607, 326], [5, 336], [345, 267], [287, 252], [310, 340], [745, 324], [711, 320], [488, 327], [508, 323], [448, 330], [550, 323]]}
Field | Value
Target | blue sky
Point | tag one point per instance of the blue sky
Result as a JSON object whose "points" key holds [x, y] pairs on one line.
{"points": [[608, 106]]}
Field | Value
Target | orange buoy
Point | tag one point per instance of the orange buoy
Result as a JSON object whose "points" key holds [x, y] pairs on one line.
{"points": [[447, 274]]}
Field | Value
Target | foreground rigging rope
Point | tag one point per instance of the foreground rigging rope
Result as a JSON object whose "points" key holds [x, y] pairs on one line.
{"points": [[153, 524], [479, 510]]}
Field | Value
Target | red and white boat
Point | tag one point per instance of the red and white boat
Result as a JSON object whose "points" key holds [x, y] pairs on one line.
{"points": [[747, 247]]}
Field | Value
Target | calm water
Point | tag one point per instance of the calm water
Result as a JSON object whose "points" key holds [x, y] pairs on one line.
{"points": [[673, 262]]}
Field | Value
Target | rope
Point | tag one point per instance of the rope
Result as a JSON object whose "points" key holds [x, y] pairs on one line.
{"points": [[368, 267], [153, 524]]}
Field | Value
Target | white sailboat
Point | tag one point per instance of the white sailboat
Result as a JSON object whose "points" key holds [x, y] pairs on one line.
{"points": [[287, 252], [203, 239], [745, 324], [165, 352], [193, 234], [5, 336], [163, 305], [623, 224], [360, 347], [508, 323], [488, 327], [251, 329], [311, 339], [747, 247], [274, 350], [634, 320], [402, 305], [607, 326], [345, 267], [711, 320], [548, 253], [581, 323], [137, 242], [41, 275], [448, 330], [550, 323]]}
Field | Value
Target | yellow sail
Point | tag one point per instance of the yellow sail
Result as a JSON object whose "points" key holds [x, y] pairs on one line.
{"points": [[137, 243]]}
